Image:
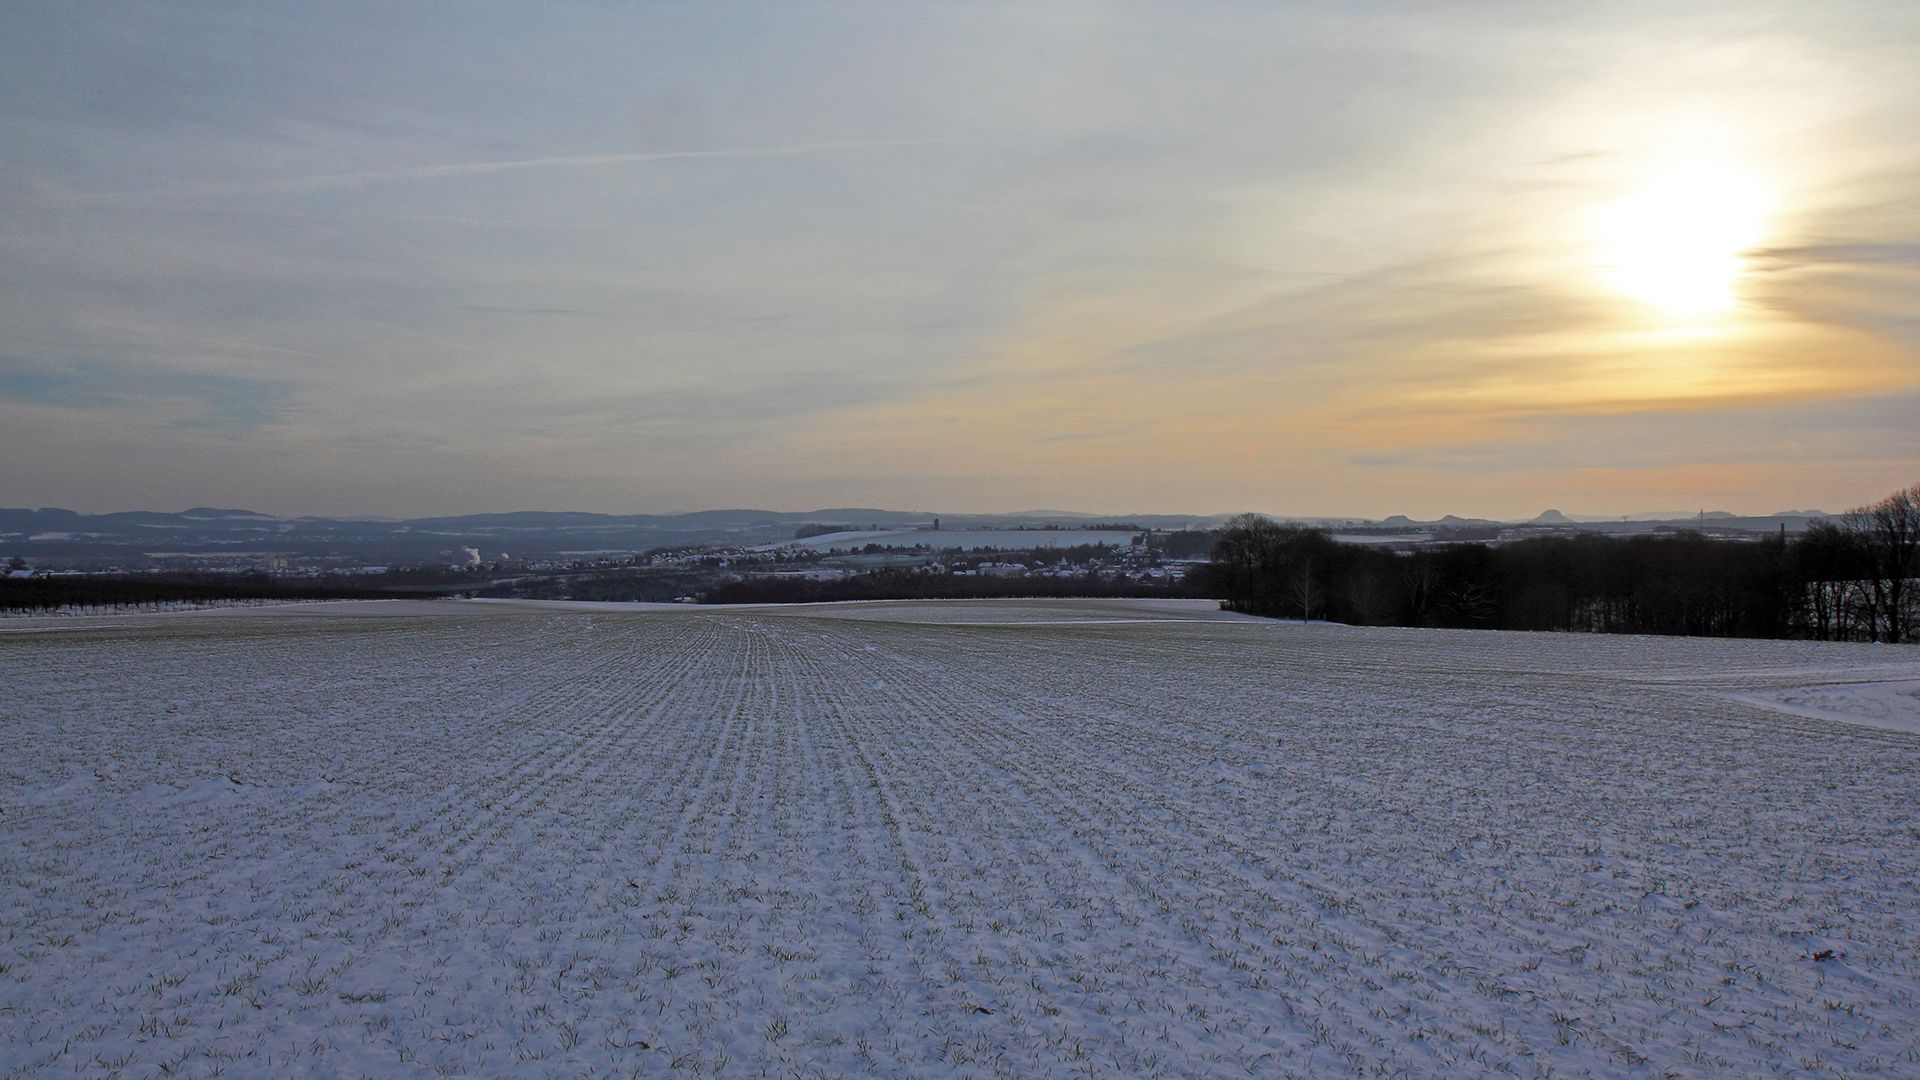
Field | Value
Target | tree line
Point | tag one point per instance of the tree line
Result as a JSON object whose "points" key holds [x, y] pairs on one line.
{"points": [[897, 584], [1845, 579], [108, 593]]}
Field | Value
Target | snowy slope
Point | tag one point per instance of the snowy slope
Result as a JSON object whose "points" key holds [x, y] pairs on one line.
{"points": [[1890, 704], [1019, 838]]}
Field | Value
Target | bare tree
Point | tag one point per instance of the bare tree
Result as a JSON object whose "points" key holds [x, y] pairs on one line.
{"points": [[1420, 579], [1367, 596], [1240, 556], [1252, 554], [1833, 565], [1891, 531], [1304, 591]]}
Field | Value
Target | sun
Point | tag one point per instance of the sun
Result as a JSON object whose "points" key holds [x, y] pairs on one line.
{"points": [[1678, 243]]}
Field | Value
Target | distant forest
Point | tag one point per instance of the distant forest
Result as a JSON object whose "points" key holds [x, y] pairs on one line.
{"points": [[911, 585], [1851, 579], [118, 593]]}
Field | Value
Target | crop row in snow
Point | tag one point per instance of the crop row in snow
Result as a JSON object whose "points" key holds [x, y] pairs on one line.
{"points": [[996, 839]]}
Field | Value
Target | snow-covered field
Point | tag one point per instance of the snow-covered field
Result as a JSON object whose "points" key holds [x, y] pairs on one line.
{"points": [[1019, 838]]}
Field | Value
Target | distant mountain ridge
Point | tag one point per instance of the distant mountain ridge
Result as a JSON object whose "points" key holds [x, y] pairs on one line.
{"points": [[129, 536]]}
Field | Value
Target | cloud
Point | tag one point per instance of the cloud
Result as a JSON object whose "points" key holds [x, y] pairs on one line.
{"points": [[1287, 257], [197, 401], [1856, 254], [380, 177]]}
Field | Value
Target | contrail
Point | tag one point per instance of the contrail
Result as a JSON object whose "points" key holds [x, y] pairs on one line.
{"points": [[338, 181]]}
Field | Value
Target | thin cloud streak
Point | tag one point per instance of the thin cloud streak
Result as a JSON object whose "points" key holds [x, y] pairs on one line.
{"points": [[378, 177], [223, 343]]}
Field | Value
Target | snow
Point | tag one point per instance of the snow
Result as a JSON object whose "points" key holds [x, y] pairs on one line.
{"points": [[963, 539], [1020, 838], [1894, 706]]}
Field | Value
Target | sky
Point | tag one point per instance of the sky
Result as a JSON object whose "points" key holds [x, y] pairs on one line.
{"points": [[1350, 258]]}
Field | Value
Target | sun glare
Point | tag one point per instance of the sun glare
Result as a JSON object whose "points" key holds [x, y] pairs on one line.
{"points": [[1678, 243]]}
